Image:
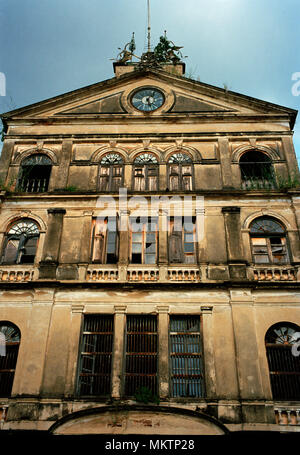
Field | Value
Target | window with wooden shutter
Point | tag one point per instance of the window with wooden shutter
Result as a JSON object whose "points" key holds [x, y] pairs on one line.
{"points": [[111, 172], [143, 241], [96, 355], [141, 354], [186, 363], [146, 172], [268, 241], [180, 172], [182, 241], [105, 240], [10, 336], [284, 367]]}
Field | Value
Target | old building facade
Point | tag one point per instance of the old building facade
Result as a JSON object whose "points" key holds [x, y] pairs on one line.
{"points": [[117, 317]]}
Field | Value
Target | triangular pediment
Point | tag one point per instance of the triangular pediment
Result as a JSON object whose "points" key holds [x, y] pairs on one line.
{"points": [[184, 96], [110, 104]]}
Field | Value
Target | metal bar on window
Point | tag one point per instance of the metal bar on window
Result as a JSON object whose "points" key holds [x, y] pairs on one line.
{"points": [[96, 355]]}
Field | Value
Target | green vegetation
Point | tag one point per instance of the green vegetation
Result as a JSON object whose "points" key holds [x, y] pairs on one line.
{"points": [[145, 395]]}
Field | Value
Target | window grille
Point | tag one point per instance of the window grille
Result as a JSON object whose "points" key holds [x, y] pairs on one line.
{"points": [[186, 357], [8, 361], [256, 170], [35, 174], [284, 367], [96, 355], [141, 354]]}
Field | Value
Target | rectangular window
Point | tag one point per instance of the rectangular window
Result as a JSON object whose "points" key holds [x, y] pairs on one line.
{"points": [[96, 355], [182, 241], [143, 241], [141, 354], [105, 240], [186, 357], [269, 250]]}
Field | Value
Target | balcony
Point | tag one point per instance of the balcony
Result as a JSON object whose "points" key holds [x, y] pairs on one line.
{"points": [[273, 273], [17, 273], [287, 415]]}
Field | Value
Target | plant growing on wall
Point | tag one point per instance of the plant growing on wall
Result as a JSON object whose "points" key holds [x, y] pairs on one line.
{"points": [[145, 395]]}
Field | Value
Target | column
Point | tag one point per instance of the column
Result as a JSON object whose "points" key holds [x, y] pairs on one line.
{"points": [[117, 365], [236, 262], [290, 156], [163, 244], [73, 357], [6, 155], [85, 253], [50, 254], [247, 349], [163, 184], [34, 345], [201, 239], [163, 351], [124, 244], [208, 352], [63, 171], [225, 161]]}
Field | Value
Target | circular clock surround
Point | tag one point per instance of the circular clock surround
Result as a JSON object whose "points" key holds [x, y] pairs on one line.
{"points": [[147, 99]]}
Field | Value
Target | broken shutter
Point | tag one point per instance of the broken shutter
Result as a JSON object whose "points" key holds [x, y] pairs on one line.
{"points": [[141, 354], [96, 355]]}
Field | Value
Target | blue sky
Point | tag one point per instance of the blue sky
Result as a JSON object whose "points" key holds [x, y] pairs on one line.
{"points": [[49, 47]]}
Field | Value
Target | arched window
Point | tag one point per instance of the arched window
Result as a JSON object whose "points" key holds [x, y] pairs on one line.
{"points": [[268, 241], [10, 334], [34, 174], [256, 170], [146, 172], [284, 365], [111, 172], [180, 172], [20, 243]]}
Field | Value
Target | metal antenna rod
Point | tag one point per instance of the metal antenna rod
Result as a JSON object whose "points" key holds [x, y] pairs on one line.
{"points": [[149, 27]]}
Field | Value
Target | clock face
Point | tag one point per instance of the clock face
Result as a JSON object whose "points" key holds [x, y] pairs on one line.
{"points": [[147, 99]]}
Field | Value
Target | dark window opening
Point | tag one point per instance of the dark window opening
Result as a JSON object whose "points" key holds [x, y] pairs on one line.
{"points": [[256, 170], [96, 355], [141, 354], [35, 174], [10, 341], [186, 361], [284, 367], [20, 243]]}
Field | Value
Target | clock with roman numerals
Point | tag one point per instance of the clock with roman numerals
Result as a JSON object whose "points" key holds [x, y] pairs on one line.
{"points": [[147, 99]]}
